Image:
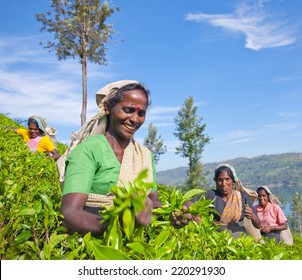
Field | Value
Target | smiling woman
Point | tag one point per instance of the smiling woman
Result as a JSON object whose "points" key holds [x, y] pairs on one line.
{"points": [[272, 219], [37, 138], [108, 158]]}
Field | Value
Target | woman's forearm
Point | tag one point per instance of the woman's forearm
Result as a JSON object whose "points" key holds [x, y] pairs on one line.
{"points": [[255, 221], [279, 228], [83, 222]]}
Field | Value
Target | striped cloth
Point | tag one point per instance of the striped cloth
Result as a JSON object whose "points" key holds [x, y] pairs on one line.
{"points": [[136, 159]]}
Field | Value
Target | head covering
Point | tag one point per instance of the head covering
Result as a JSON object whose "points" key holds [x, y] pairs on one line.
{"points": [[230, 167], [51, 131], [104, 94], [41, 123], [238, 185], [273, 199], [111, 89], [96, 125]]}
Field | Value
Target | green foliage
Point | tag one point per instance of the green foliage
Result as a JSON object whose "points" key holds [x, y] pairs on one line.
{"points": [[129, 200], [190, 131], [174, 200], [154, 143], [29, 195], [297, 212], [31, 229], [80, 31], [79, 28]]}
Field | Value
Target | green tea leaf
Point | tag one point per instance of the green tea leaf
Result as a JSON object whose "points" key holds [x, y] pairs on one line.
{"points": [[161, 238], [26, 212], [191, 193], [106, 253], [143, 248], [23, 236], [128, 223], [46, 200], [115, 235], [166, 249]]}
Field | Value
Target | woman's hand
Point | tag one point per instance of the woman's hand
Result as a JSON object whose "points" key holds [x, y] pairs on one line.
{"points": [[266, 229], [143, 218], [249, 213], [54, 154], [10, 128], [181, 219], [154, 197]]}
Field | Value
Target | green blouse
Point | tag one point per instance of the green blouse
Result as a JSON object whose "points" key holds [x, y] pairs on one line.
{"points": [[92, 167]]}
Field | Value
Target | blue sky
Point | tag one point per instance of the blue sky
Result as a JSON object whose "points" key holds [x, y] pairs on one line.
{"points": [[240, 60]]}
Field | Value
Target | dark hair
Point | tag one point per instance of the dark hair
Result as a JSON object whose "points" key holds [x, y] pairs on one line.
{"points": [[267, 193], [261, 188], [119, 96], [33, 121], [223, 169]]}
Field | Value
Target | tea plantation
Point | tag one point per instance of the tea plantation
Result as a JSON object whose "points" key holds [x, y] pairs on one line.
{"points": [[30, 220]]}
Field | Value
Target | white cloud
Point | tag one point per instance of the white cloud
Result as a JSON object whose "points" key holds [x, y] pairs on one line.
{"points": [[163, 109], [238, 141], [45, 86], [235, 137], [290, 114], [171, 145], [30, 93], [258, 25], [280, 126]]}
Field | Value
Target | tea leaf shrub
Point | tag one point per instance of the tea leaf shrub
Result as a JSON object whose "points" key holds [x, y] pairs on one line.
{"points": [[31, 228]]}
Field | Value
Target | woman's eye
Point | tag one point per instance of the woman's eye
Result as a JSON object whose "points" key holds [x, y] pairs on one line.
{"points": [[141, 113], [129, 110]]}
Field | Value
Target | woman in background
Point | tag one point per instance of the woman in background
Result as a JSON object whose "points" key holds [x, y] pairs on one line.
{"points": [[231, 201], [272, 218], [35, 137]]}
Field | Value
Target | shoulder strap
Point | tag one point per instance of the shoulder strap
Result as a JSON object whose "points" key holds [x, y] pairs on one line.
{"points": [[96, 125], [250, 193], [50, 132]]}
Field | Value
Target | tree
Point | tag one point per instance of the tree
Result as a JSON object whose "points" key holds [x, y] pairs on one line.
{"points": [[296, 208], [154, 143], [79, 32], [190, 131]]}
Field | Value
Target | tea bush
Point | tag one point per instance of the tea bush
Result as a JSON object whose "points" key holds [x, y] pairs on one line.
{"points": [[31, 229]]}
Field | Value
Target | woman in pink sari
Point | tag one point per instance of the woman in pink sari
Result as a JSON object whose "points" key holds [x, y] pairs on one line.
{"points": [[272, 218]]}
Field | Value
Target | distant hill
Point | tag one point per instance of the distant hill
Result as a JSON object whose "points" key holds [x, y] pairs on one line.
{"points": [[283, 172]]}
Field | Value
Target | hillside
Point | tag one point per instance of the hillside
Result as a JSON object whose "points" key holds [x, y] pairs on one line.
{"points": [[283, 172], [31, 221]]}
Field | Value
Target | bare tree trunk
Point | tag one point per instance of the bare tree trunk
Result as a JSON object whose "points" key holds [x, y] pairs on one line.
{"points": [[84, 89]]}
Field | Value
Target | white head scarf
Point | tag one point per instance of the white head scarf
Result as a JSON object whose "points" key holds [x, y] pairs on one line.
{"points": [[103, 95], [273, 199]]}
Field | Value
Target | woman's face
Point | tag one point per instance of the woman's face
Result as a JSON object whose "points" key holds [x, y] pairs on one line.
{"points": [[224, 183], [34, 130], [262, 198], [127, 116]]}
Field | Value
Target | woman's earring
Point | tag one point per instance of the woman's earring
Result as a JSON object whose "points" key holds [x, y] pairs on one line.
{"points": [[107, 112]]}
